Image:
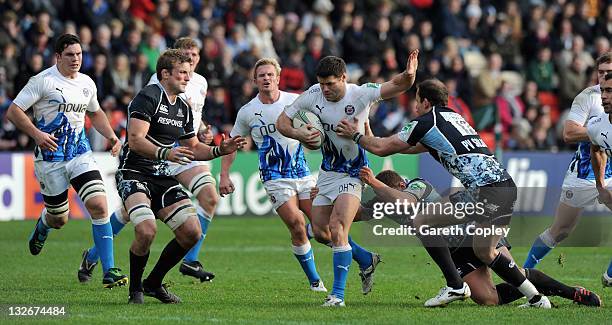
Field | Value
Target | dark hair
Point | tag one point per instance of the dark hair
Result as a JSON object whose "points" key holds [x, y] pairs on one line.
{"points": [[331, 66], [604, 58], [389, 178], [185, 43], [64, 41], [170, 58], [434, 91], [608, 76]]}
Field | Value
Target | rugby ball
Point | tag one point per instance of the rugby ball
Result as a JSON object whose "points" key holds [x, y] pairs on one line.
{"points": [[302, 118]]}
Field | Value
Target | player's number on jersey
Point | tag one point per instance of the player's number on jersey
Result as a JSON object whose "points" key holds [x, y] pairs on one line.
{"points": [[459, 123]]}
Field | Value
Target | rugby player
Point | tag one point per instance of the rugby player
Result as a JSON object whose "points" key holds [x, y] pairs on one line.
{"points": [[332, 99], [60, 96], [282, 165], [195, 176], [578, 189], [598, 130], [158, 118]]}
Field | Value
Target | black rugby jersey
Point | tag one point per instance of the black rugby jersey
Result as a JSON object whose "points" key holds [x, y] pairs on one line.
{"points": [[455, 145], [169, 122]]}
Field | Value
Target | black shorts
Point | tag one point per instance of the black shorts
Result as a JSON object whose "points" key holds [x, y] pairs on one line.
{"points": [[466, 261], [496, 200], [163, 191]]}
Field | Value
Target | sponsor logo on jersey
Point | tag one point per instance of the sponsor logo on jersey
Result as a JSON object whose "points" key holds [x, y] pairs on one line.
{"points": [[163, 109], [349, 109], [408, 128], [169, 121], [69, 107], [372, 85]]}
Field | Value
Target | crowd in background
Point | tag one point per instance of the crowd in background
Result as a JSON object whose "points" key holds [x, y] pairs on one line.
{"points": [[518, 62]]}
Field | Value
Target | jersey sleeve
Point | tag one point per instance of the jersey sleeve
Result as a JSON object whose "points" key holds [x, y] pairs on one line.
{"points": [[302, 102], [30, 94], [241, 127], [94, 105], [371, 91], [142, 107], [188, 131], [592, 129], [579, 111], [414, 131]]}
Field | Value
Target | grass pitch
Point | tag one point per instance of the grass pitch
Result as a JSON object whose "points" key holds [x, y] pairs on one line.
{"points": [[259, 281]]}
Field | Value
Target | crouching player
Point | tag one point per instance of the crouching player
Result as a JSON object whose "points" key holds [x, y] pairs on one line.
{"points": [[389, 186]]}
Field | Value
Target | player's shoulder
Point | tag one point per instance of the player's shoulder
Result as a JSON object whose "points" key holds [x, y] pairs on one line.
{"points": [[250, 105], [198, 79], [86, 79], [314, 91], [287, 97], [587, 95], [45, 75], [153, 91]]}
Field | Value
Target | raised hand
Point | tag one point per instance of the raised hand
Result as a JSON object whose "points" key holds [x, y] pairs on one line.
{"points": [[231, 145], [413, 62]]}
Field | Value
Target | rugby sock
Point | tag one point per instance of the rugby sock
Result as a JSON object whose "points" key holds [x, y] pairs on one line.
{"points": [[541, 246], [170, 256], [305, 256], [42, 226], [194, 252], [137, 267], [509, 272], [117, 224], [342, 257], [438, 250], [103, 240], [546, 285], [609, 272], [360, 255]]}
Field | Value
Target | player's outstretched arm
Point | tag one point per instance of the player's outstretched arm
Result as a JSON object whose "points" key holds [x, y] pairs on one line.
{"points": [[19, 118], [403, 81], [226, 186], [378, 146], [137, 132], [102, 125], [384, 192], [203, 151]]}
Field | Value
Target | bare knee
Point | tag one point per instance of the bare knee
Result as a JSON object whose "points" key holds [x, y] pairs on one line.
{"points": [[488, 300], [189, 237], [57, 221], [145, 234], [321, 234], [97, 209], [208, 202]]}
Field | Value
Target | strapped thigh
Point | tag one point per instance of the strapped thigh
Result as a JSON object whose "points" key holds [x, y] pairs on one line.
{"points": [[88, 185], [57, 205]]}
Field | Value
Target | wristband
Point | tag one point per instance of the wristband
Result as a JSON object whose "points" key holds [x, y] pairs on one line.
{"points": [[162, 153], [356, 137], [216, 151]]}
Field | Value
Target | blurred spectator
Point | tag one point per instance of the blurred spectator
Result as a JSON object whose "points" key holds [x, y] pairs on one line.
{"points": [[293, 78], [101, 75], [121, 75], [8, 62], [357, 43], [140, 75], [571, 81], [10, 31], [542, 70], [260, 36], [34, 65], [215, 111]]}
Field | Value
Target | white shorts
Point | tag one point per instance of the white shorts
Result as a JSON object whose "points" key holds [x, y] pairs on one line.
{"points": [[176, 169], [580, 193], [332, 184], [282, 189], [54, 177]]}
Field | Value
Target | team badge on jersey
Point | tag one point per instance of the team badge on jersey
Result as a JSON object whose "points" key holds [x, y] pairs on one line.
{"points": [[349, 109], [180, 113], [85, 92]]}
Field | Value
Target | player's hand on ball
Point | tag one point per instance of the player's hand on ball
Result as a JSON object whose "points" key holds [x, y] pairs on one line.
{"points": [[313, 193], [232, 144], [308, 134], [367, 175], [225, 186], [181, 155], [115, 146], [45, 141], [346, 128], [205, 135]]}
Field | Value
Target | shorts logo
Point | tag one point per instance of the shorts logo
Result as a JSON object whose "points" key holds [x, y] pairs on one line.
{"points": [[42, 185], [345, 187], [272, 199], [85, 92], [569, 194], [349, 109]]}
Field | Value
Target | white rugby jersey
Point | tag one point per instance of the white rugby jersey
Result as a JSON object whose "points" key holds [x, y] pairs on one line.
{"points": [[585, 107], [195, 95], [59, 105], [339, 154], [600, 132], [279, 156]]}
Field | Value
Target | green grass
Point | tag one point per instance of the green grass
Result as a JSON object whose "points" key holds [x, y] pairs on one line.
{"points": [[259, 281]]}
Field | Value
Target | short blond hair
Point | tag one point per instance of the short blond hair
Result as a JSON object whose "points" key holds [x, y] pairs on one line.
{"points": [[267, 61]]}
